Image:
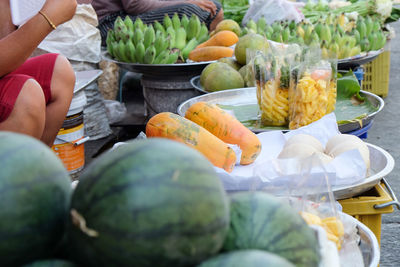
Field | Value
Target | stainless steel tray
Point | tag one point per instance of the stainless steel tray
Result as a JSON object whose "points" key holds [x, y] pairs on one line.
{"points": [[84, 78], [382, 163], [350, 63], [195, 82], [178, 69], [247, 96]]}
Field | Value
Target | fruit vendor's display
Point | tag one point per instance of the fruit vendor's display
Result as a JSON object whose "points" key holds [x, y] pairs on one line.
{"points": [[165, 42], [227, 128], [248, 258], [152, 202], [260, 221], [333, 34], [35, 193], [172, 126]]}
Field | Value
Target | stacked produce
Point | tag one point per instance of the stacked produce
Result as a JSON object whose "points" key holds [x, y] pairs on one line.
{"points": [[159, 43], [333, 33], [126, 212], [208, 129]]}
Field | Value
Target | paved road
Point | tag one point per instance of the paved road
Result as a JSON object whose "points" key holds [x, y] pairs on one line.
{"points": [[385, 132]]}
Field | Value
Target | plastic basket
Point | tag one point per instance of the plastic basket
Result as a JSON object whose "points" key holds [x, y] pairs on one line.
{"points": [[376, 75], [369, 207]]}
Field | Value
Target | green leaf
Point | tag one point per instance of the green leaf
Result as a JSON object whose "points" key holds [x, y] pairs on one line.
{"points": [[348, 86]]}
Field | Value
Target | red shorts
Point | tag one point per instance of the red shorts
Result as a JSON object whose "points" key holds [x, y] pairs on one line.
{"points": [[39, 68]]}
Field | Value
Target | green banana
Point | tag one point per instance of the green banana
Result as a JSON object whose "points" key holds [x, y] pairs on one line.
{"points": [[180, 38], [162, 57], [149, 55], [126, 35], [251, 25], [203, 33], [361, 28], [138, 36], [193, 27], [158, 27], [276, 26], [172, 58], [369, 24], [184, 21], [115, 50], [172, 37], [122, 51], [326, 34], [376, 26], [149, 36], [318, 28], [268, 30], [373, 42], [261, 25], [176, 22], [334, 48], [138, 24], [159, 43], [139, 53], [189, 47], [120, 32], [286, 34], [167, 21], [128, 23], [381, 40], [109, 40], [356, 35], [118, 24], [344, 51], [276, 37], [130, 51], [356, 50], [364, 44], [292, 25]]}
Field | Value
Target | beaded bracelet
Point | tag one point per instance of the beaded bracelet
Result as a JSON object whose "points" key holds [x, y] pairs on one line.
{"points": [[48, 20]]}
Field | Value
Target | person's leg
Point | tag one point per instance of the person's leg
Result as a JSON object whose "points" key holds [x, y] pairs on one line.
{"points": [[57, 79], [62, 89], [26, 113]]}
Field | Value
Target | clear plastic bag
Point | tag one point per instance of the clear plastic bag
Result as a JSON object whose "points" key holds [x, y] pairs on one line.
{"points": [[308, 100], [274, 10]]}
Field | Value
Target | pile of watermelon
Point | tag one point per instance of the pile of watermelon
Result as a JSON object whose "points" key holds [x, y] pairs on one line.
{"points": [[153, 202]]}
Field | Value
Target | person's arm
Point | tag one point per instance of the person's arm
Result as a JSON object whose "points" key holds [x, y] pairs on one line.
{"points": [[136, 7], [17, 46], [5, 19]]}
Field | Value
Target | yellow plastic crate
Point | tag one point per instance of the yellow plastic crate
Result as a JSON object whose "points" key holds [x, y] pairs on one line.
{"points": [[369, 206], [376, 75]]}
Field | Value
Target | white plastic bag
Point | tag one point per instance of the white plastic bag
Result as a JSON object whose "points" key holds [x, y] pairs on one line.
{"points": [[273, 10], [115, 110], [77, 39]]}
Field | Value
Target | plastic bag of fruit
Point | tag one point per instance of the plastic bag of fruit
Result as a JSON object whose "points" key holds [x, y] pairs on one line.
{"points": [[308, 100]]}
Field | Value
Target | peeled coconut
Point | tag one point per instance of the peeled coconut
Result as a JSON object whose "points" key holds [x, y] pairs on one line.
{"points": [[297, 150], [340, 138], [340, 148], [325, 159], [305, 139]]}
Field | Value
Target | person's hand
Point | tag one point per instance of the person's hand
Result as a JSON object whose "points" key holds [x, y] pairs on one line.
{"points": [[59, 11], [207, 5]]}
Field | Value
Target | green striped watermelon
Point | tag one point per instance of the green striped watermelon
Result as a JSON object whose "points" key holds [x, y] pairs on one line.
{"points": [[246, 258], [261, 221], [35, 192], [153, 202], [51, 263]]}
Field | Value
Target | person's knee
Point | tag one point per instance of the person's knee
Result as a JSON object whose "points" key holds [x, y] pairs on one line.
{"points": [[63, 80], [30, 107]]}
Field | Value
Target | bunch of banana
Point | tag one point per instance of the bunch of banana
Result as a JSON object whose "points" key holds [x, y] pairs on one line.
{"points": [[334, 34], [163, 42]]}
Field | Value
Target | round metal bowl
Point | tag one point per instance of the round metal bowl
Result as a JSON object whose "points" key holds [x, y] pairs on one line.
{"points": [[243, 96], [193, 68], [354, 62], [195, 82]]}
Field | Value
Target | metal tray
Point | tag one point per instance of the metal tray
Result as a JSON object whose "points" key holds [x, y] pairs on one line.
{"points": [[195, 82], [84, 78], [246, 96], [368, 245], [351, 63], [161, 69]]}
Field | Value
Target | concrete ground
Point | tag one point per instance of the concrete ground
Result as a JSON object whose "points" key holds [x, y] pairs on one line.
{"points": [[385, 133]]}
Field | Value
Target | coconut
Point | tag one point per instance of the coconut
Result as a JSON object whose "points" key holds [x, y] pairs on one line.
{"points": [[297, 150]]}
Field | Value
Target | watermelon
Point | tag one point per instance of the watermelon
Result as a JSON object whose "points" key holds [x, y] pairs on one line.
{"points": [[51, 263], [35, 191], [261, 221], [152, 202], [246, 258]]}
